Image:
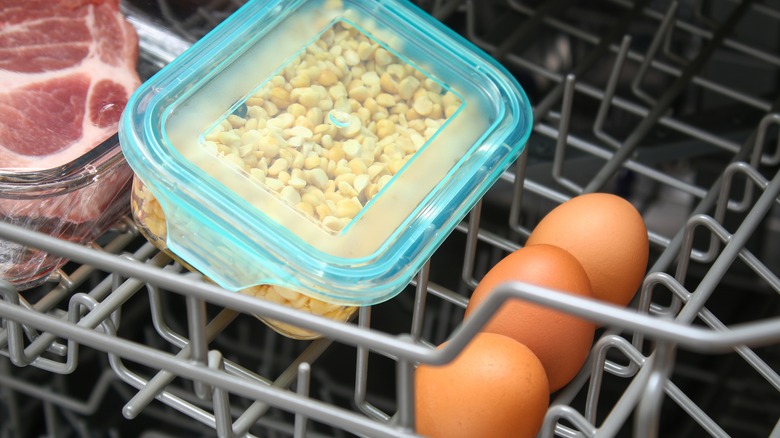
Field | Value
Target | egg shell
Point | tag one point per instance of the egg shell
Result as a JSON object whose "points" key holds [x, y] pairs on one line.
{"points": [[496, 387], [607, 235], [561, 341]]}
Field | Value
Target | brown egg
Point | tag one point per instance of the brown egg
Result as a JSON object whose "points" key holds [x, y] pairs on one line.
{"points": [[609, 238], [495, 388], [561, 341]]}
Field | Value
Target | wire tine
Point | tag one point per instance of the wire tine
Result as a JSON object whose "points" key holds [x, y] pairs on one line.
{"points": [[739, 167], [686, 249], [405, 390], [196, 321], [158, 318], [667, 46], [154, 387], [723, 202], [361, 372], [421, 292], [555, 413], [648, 412], [257, 409], [663, 33], [679, 295], [304, 373], [728, 176], [599, 358], [609, 94], [563, 136], [472, 238], [763, 127], [30, 332], [719, 231], [64, 280], [756, 159], [517, 194], [163, 395], [13, 328], [646, 305], [704, 290]]}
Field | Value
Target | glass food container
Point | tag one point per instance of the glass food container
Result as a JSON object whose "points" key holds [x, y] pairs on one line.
{"points": [[77, 202], [316, 153]]}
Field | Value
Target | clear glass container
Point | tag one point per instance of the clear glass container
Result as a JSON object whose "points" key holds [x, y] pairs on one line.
{"points": [[322, 147]]}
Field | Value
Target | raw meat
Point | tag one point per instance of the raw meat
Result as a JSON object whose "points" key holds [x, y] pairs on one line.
{"points": [[67, 68]]}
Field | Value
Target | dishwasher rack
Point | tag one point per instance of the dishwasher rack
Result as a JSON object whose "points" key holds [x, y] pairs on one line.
{"points": [[671, 104]]}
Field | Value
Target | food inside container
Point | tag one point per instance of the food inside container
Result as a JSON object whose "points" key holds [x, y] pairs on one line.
{"points": [[317, 154], [329, 131], [150, 218], [61, 95]]}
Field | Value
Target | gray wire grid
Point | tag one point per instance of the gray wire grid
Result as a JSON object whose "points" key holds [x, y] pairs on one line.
{"points": [[671, 104]]}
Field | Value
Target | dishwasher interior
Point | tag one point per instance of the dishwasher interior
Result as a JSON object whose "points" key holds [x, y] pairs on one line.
{"points": [[672, 105]]}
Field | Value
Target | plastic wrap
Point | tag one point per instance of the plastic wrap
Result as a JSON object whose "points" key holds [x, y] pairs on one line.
{"points": [[77, 202]]}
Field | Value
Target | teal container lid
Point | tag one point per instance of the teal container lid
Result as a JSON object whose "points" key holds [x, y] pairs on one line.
{"points": [[325, 146]]}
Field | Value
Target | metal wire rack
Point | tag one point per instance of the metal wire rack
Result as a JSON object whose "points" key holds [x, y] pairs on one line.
{"points": [[671, 104]]}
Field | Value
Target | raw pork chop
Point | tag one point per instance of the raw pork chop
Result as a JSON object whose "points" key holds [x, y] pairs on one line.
{"points": [[67, 68]]}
